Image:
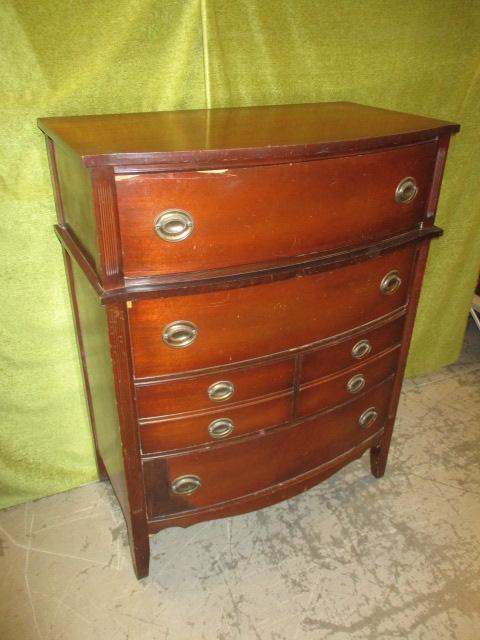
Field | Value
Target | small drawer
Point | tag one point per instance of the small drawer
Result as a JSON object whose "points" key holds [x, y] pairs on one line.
{"points": [[347, 353], [199, 220], [211, 476], [213, 390], [209, 427], [242, 324], [334, 390]]}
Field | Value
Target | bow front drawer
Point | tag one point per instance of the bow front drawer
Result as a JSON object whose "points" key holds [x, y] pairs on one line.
{"points": [[196, 221], [219, 328]]}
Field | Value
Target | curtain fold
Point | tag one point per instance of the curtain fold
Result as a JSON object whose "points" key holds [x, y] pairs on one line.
{"points": [[65, 58]]}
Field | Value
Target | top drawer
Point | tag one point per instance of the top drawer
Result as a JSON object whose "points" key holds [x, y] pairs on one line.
{"points": [[223, 218]]}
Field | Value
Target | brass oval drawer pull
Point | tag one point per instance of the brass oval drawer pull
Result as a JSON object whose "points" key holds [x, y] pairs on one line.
{"points": [[356, 383], [406, 190], [368, 417], [220, 428], [179, 334], [390, 283], [186, 485], [173, 225], [221, 390], [361, 349]]}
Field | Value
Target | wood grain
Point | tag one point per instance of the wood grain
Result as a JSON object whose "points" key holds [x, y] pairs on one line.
{"points": [[183, 432], [259, 499], [270, 459], [191, 394], [331, 391], [336, 357], [267, 213], [254, 321], [78, 213], [222, 137]]}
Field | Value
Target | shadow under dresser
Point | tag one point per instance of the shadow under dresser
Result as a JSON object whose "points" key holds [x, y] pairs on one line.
{"points": [[244, 284]]}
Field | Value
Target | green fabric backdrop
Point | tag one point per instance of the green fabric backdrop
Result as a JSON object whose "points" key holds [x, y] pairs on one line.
{"points": [[62, 57]]}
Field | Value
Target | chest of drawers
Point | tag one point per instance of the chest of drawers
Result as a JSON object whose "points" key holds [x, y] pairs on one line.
{"points": [[244, 285]]}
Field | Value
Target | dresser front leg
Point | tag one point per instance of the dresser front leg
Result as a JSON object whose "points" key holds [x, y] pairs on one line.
{"points": [[379, 453], [140, 552], [378, 462]]}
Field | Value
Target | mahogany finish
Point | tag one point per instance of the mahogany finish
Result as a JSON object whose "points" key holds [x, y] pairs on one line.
{"points": [[236, 325], [291, 218], [237, 136], [191, 394], [268, 458], [328, 392], [74, 189], [272, 211], [317, 363], [182, 432]]}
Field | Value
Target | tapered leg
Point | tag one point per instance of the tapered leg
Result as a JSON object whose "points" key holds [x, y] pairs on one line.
{"points": [[379, 454], [140, 551], [378, 461]]}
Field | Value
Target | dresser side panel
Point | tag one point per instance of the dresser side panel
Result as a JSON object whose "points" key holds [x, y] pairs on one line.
{"points": [[69, 262], [103, 337], [379, 454], [75, 189], [93, 332]]}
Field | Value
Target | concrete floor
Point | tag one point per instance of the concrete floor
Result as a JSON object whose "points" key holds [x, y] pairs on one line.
{"points": [[354, 558]]}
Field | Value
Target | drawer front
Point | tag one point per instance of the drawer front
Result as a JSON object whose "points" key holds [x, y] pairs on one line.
{"points": [[213, 390], [227, 472], [195, 221], [360, 349], [329, 392], [212, 426], [198, 331]]}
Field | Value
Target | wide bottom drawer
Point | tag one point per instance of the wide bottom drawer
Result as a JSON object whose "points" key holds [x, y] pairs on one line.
{"points": [[228, 471]]}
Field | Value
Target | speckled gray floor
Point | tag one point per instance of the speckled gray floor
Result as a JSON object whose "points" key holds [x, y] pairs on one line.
{"points": [[354, 558]]}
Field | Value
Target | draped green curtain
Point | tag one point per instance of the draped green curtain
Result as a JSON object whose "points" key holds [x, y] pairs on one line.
{"points": [[64, 57]]}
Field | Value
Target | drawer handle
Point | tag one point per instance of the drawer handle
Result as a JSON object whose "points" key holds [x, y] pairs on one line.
{"points": [[221, 390], [406, 190], [356, 383], [390, 283], [179, 334], [361, 349], [173, 225], [186, 485], [368, 417], [220, 428]]}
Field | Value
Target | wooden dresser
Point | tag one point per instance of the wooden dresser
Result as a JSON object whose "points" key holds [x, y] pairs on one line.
{"points": [[244, 285]]}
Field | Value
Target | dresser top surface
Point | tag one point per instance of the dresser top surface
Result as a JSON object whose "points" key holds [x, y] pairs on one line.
{"points": [[232, 135]]}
